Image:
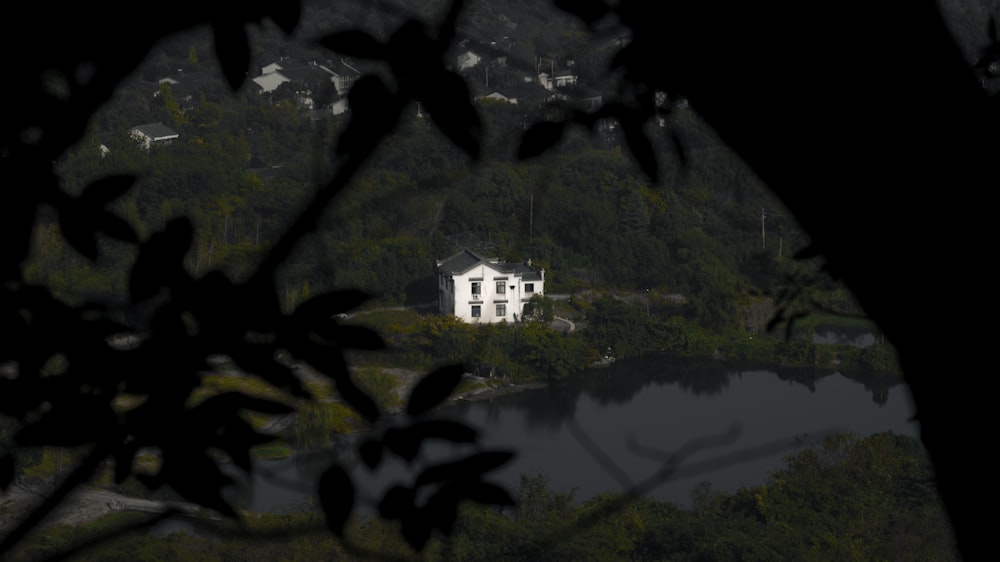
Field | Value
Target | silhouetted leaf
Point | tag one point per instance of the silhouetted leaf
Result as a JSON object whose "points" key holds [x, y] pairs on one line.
{"points": [[357, 399], [358, 337], [116, 227], [397, 502], [406, 441], [445, 96], [233, 51], [472, 467], [197, 478], [810, 251], [441, 509], [434, 389], [417, 531], [70, 423], [7, 471], [336, 498], [79, 233], [231, 402], [539, 138], [331, 303], [354, 43], [399, 441], [640, 146], [286, 14], [678, 144], [259, 360], [374, 113], [124, 457], [371, 453], [107, 189], [161, 259]]}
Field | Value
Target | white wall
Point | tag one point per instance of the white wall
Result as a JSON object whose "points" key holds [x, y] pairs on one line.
{"points": [[488, 277]]}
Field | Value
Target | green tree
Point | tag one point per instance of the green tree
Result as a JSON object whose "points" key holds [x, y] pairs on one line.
{"points": [[539, 309], [172, 107]]}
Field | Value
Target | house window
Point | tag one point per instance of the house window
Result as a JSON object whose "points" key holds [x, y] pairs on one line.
{"points": [[477, 311], [477, 289], [501, 287], [529, 287], [501, 310]]}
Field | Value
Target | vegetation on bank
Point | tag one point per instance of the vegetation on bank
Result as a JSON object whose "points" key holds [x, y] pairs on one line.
{"points": [[609, 326], [847, 498]]}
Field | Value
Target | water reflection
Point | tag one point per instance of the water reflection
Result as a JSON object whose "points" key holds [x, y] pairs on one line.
{"points": [[731, 426], [620, 382]]}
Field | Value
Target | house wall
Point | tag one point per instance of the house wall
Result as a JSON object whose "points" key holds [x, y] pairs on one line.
{"points": [[457, 297]]}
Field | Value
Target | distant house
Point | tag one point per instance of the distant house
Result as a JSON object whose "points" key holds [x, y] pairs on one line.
{"points": [[467, 58], [528, 92], [267, 83], [344, 73], [483, 290], [557, 78], [153, 134], [302, 75], [469, 53]]}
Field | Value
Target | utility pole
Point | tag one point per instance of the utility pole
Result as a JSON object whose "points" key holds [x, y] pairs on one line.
{"points": [[531, 219]]}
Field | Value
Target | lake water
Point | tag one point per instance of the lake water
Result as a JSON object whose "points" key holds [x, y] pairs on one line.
{"points": [[616, 428]]}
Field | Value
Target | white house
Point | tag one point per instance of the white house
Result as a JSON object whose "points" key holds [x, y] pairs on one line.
{"points": [[344, 73], [556, 79], [483, 290], [269, 82], [153, 133]]}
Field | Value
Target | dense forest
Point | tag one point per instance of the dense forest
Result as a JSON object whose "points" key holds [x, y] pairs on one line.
{"points": [[244, 164]]}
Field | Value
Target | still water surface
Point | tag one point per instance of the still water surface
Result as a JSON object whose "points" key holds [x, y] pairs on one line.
{"points": [[616, 427]]}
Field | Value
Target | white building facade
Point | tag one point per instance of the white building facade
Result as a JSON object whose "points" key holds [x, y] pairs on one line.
{"points": [[483, 290], [153, 133]]}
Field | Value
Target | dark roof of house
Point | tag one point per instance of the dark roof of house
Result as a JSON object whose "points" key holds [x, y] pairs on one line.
{"points": [[343, 67], [300, 73], [460, 262], [467, 259], [156, 130]]}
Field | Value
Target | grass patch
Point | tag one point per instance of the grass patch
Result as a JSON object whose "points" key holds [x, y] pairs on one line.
{"points": [[381, 386], [387, 321], [471, 385]]}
